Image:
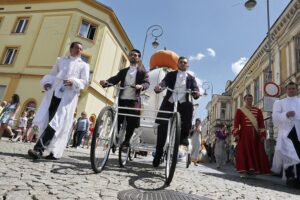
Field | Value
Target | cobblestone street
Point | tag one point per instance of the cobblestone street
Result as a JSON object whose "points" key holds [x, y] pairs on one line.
{"points": [[72, 178]]}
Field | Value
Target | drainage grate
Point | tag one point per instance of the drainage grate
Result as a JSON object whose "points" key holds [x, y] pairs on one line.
{"points": [[156, 195]]}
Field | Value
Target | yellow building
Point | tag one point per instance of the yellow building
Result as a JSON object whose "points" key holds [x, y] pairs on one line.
{"points": [[285, 53], [34, 33]]}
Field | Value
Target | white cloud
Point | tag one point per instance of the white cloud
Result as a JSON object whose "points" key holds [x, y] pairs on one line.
{"points": [[211, 52], [199, 56], [238, 65]]}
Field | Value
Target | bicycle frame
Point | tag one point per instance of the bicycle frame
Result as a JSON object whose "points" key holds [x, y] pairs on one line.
{"points": [[174, 111]]}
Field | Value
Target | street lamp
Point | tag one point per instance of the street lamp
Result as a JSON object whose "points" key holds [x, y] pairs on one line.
{"points": [[270, 143], [206, 85], [250, 4], [156, 31]]}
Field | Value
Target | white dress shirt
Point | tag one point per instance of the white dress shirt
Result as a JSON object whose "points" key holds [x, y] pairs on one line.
{"points": [[66, 72], [180, 87], [130, 93]]}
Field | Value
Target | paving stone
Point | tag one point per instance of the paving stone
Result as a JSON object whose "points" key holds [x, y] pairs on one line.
{"points": [[72, 178]]}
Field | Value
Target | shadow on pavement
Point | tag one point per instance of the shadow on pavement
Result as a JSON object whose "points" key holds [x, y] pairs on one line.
{"points": [[263, 181], [141, 176], [13, 154]]}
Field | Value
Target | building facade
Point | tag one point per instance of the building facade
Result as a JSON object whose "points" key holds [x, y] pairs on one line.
{"points": [[219, 112], [285, 53], [34, 33]]}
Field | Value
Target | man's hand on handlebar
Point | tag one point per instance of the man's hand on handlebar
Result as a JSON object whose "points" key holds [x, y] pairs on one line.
{"points": [[196, 94], [104, 83], [139, 87], [157, 89]]}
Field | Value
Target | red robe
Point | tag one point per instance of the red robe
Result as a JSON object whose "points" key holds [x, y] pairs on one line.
{"points": [[250, 151]]}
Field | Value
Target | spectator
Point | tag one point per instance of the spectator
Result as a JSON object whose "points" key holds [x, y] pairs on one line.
{"points": [[72, 131], [195, 139], [88, 136], [220, 153], [2, 106], [21, 130], [232, 154], [82, 128], [7, 117], [203, 157], [30, 117]]}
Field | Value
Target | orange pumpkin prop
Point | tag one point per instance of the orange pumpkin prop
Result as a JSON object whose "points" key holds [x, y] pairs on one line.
{"points": [[164, 58]]}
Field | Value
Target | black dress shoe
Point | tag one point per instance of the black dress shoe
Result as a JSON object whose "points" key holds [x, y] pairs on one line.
{"points": [[113, 148], [290, 182], [184, 142], [125, 144], [157, 160], [51, 157], [34, 154], [297, 184]]}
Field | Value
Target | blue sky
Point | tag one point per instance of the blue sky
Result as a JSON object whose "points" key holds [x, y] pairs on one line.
{"points": [[218, 35]]}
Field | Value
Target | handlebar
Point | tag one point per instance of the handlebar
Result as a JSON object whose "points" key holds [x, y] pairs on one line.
{"points": [[119, 87], [189, 91]]}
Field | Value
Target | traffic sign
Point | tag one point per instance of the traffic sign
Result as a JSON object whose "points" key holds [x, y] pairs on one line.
{"points": [[271, 89]]}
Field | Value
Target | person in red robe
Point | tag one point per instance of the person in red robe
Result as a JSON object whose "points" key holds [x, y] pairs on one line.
{"points": [[249, 131]]}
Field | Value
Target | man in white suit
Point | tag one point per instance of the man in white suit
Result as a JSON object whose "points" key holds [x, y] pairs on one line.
{"points": [[286, 117], [55, 116]]}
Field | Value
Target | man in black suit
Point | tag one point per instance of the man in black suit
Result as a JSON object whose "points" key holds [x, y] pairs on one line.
{"points": [[136, 77], [181, 81]]}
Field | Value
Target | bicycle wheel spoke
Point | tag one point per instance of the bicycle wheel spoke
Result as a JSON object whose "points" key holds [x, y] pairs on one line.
{"points": [[101, 140]]}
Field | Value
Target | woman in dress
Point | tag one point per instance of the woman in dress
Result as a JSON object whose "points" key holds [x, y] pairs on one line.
{"points": [[7, 116], [220, 152], [195, 138]]}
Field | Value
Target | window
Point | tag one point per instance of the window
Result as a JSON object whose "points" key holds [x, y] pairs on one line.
{"points": [[2, 90], [9, 56], [256, 91], [87, 30], [85, 58], [298, 54], [223, 111], [21, 25], [122, 63]]}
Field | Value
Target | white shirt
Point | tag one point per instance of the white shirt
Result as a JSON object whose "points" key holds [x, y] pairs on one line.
{"points": [[66, 72], [23, 122], [293, 104], [285, 153], [180, 87], [130, 93]]}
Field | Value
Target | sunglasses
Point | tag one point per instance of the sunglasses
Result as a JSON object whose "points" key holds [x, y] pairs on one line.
{"points": [[183, 62], [134, 55]]}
